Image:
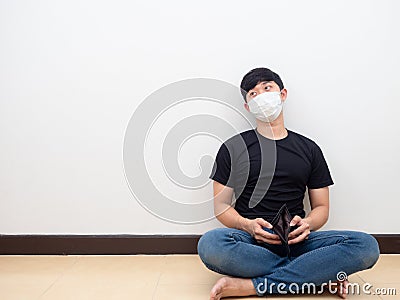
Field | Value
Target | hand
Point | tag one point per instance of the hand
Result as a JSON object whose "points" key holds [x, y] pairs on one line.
{"points": [[256, 230], [301, 233]]}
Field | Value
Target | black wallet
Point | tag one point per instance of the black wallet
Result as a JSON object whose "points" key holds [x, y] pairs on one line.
{"points": [[281, 226]]}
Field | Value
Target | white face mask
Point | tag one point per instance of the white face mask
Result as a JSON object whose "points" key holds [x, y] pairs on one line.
{"points": [[267, 106]]}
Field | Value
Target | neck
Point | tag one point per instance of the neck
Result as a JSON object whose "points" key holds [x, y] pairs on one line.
{"points": [[274, 130]]}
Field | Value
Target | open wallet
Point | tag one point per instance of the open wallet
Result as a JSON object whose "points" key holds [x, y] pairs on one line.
{"points": [[281, 226]]}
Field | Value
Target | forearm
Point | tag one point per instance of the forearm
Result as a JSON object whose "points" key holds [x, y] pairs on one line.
{"points": [[228, 216], [317, 217]]}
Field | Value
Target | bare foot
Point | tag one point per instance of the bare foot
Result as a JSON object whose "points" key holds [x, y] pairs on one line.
{"points": [[340, 287], [232, 286]]}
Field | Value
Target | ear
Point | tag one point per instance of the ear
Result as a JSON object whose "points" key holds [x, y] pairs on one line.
{"points": [[283, 94], [246, 106]]}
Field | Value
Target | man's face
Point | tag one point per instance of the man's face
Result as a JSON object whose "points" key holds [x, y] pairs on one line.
{"points": [[264, 87]]}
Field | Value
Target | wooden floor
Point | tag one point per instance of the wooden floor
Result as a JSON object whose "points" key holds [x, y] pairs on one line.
{"points": [[144, 277]]}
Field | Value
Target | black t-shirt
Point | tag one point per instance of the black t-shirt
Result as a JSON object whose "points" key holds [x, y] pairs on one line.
{"points": [[263, 183]]}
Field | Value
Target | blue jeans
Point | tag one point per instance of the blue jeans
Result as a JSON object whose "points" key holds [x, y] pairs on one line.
{"points": [[316, 260]]}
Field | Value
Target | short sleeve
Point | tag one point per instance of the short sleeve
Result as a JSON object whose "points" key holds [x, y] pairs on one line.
{"points": [[320, 175], [222, 168]]}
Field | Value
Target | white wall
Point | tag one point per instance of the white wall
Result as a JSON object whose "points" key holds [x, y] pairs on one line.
{"points": [[73, 72]]}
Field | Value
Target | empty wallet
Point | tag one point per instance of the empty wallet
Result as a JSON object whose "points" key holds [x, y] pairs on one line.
{"points": [[281, 226]]}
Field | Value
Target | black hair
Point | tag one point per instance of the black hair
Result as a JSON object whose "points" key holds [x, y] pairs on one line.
{"points": [[255, 76]]}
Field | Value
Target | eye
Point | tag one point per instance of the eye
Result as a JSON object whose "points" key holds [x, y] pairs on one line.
{"points": [[252, 94], [268, 87]]}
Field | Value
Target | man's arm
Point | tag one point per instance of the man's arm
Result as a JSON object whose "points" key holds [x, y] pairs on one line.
{"points": [[319, 200], [223, 210], [228, 216]]}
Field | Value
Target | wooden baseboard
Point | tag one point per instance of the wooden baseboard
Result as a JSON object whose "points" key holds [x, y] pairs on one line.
{"points": [[98, 244], [127, 244], [388, 243]]}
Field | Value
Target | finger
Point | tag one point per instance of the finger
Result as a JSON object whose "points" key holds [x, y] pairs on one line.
{"points": [[299, 230], [263, 223], [295, 232], [299, 238], [261, 239], [266, 234], [296, 219], [305, 231]]}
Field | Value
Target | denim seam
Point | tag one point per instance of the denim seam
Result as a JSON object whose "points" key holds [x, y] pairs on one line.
{"points": [[328, 237], [240, 234]]}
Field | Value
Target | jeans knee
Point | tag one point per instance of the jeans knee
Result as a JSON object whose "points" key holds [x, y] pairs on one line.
{"points": [[201, 246], [374, 251], [206, 245], [371, 252]]}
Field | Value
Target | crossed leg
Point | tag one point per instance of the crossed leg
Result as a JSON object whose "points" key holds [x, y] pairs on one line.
{"points": [[255, 269]]}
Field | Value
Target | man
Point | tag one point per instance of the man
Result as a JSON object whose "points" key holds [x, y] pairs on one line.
{"points": [[248, 250]]}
